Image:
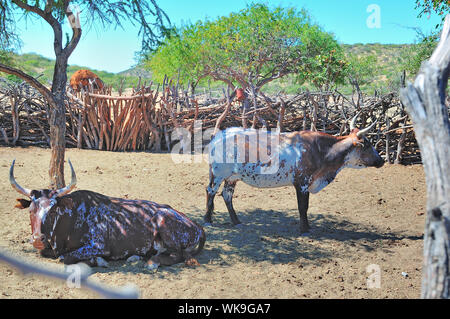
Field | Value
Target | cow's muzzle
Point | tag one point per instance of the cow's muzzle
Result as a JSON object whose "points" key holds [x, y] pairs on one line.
{"points": [[38, 241], [379, 163]]}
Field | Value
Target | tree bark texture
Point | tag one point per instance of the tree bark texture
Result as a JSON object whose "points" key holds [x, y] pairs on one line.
{"points": [[425, 103], [57, 120]]}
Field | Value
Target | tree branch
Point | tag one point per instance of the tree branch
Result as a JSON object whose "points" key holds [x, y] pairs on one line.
{"points": [[32, 81], [127, 292], [74, 20], [48, 17]]}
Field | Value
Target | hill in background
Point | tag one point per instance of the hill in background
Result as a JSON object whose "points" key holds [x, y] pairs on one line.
{"points": [[389, 63], [37, 65], [387, 77]]}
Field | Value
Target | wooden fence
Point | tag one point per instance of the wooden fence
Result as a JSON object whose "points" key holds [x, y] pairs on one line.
{"points": [[145, 119]]}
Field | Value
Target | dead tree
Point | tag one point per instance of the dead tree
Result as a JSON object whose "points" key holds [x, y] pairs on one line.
{"points": [[425, 103]]}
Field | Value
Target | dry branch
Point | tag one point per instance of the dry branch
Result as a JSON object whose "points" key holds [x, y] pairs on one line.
{"points": [[26, 268]]}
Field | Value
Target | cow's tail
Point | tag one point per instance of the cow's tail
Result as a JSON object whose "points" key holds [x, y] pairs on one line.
{"points": [[188, 254], [201, 242]]}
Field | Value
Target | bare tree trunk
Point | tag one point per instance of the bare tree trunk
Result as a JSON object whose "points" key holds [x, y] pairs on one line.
{"points": [[425, 103], [57, 122], [57, 118], [56, 96]]}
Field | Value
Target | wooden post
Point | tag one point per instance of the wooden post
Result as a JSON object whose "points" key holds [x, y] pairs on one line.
{"points": [[281, 115], [401, 145], [304, 116], [15, 117], [225, 112], [425, 103], [388, 153], [315, 108]]}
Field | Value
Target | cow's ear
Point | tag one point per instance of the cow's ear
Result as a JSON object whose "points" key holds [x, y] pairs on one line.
{"points": [[22, 203]]}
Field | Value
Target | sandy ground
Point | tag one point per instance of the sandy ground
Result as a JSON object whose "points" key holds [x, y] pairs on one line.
{"points": [[365, 221]]}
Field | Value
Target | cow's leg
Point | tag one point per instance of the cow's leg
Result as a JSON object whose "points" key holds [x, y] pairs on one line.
{"points": [[48, 253], [227, 194], [86, 253], [167, 259], [302, 202], [211, 191]]}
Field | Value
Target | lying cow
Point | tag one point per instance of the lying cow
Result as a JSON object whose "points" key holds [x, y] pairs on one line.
{"points": [[307, 160], [91, 227]]}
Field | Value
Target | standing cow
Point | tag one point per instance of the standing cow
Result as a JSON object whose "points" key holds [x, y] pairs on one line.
{"points": [[91, 227], [307, 160]]}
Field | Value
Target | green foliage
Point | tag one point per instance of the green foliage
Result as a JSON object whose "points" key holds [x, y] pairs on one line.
{"points": [[416, 54], [152, 21], [5, 57], [254, 46], [324, 64], [41, 67], [378, 71], [441, 7], [177, 57], [362, 68], [382, 71], [422, 51]]}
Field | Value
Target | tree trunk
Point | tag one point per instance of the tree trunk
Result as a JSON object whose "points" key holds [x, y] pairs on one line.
{"points": [[55, 98], [57, 121], [425, 103]]}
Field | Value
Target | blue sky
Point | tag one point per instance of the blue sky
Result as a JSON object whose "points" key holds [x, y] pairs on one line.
{"points": [[351, 21]]}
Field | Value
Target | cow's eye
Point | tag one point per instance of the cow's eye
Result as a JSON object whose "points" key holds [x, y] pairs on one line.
{"points": [[36, 195]]}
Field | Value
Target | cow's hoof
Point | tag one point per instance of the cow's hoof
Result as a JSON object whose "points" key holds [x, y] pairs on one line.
{"points": [[133, 259], [153, 267], [240, 225], [101, 262], [207, 224], [192, 262]]}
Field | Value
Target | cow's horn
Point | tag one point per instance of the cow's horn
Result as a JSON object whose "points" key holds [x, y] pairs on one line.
{"points": [[353, 121], [17, 187], [363, 132], [63, 191]]}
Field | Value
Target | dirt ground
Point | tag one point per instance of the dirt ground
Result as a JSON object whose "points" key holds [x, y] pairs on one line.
{"points": [[366, 220]]}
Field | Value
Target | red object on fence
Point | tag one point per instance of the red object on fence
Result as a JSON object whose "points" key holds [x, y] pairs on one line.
{"points": [[81, 79], [240, 94]]}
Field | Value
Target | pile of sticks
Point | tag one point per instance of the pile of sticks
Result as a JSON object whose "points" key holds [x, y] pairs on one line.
{"points": [[145, 119], [23, 115], [329, 112], [116, 123]]}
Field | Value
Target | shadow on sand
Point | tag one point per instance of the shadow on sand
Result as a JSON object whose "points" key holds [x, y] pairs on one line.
{"points": [[271, 236]]}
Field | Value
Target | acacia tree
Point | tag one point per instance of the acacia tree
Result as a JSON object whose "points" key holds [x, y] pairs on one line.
{"points": [[427, 42], [441, 7], [251, 48], [147, 14]]}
